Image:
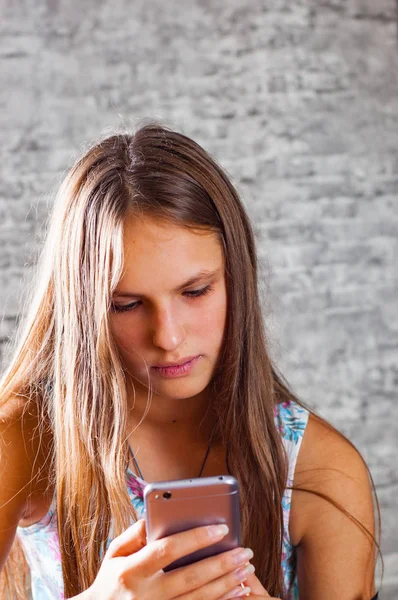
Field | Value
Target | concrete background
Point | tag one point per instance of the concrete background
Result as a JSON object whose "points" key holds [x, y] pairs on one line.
{"points": [[299, 102]]}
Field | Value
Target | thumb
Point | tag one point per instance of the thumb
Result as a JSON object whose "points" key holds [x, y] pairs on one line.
{"points": [[128, 542]]}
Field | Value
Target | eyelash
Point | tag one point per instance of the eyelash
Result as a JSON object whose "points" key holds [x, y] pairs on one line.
{"points": [[191, 294]]}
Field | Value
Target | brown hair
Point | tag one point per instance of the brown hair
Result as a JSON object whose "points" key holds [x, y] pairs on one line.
{"points": [[68, 359]]}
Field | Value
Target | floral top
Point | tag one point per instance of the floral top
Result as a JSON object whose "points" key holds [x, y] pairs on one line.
{"points": [[41, 543]]}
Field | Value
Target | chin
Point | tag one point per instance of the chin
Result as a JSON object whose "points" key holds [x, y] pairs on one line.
{"points": [[179, 390]]}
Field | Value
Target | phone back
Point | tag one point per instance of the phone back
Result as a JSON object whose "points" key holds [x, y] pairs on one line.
{"points": [[175, 506]]}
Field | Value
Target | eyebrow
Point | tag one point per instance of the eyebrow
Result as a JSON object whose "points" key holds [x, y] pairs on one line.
{"points": [[198, 278]]}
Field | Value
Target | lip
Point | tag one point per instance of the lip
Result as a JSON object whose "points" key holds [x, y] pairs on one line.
{"points": [[181, 369], [181, 362]]}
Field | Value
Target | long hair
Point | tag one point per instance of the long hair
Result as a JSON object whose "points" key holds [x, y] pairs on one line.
{"points": [[67, 361]]}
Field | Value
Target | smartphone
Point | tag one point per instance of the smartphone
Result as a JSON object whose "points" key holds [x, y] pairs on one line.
{"points": [[175, 506]]}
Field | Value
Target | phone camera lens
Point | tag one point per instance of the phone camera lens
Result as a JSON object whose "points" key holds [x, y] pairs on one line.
{"points": [[167, 495]]}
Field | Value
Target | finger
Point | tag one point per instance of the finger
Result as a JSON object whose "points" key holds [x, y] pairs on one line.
{"points": [[237, 592], [256, 586], [160, 553], [210, 577], [130, 541], [200, 581]]}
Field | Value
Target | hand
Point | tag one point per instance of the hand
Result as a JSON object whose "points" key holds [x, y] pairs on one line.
{"points": [[132, 569], [258, 592]]}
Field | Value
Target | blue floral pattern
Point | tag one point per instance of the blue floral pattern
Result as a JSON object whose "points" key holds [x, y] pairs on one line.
{"points": [[41, 543], [291, 421]]}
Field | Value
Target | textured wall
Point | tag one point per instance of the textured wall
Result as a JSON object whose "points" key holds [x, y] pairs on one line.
{"points": [[299, 101]]}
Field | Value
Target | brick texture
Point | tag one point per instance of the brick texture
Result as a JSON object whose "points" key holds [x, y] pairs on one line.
{"points": [[299, 102]]}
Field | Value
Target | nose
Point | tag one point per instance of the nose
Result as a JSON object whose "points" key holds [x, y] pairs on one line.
{"points": [[168, 332]]}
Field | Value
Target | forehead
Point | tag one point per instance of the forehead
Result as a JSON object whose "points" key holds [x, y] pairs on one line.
{"points": [[164, 253]]}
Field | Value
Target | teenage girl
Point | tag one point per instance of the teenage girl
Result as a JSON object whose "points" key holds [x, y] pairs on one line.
{"points": [[143, 358]]}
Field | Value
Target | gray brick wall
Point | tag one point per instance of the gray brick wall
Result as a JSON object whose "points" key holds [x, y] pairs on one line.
{"points": [[299, 101]]}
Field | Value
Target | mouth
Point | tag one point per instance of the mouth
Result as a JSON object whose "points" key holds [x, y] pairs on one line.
{"points": [[179, 369]]}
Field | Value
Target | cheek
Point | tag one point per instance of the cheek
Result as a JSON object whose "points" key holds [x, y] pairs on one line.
{"points": [[211, 324], [127, 335]]}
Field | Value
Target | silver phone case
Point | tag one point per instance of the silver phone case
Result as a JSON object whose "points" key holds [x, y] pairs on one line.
{"points": [[193, 503]]}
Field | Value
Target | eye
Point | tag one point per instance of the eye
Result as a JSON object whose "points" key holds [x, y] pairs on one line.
{"points": [[197, 293], [134, 305], [124, 308]]}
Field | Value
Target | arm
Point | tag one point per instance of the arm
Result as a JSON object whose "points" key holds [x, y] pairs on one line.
{"points": [[17, 446], [335, 558]]}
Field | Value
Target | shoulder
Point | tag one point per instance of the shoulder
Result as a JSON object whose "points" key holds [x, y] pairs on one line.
{"points": [[22, 418], [25, 442], [327, 464], [15, 472], [331, 504], [16, 420]]}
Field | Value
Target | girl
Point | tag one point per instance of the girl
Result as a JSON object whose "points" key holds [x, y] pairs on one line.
{"points": [[143, 358]]}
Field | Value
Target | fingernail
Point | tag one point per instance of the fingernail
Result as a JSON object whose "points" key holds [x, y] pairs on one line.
{"points": [[242, 573], [243, 556], [217, 531]]}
